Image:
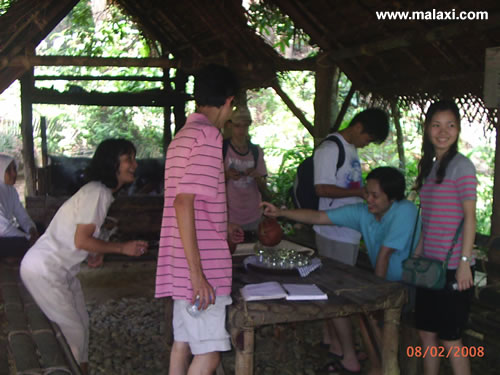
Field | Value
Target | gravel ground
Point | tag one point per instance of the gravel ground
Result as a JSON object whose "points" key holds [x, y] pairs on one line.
{"points": [[127, 331]]}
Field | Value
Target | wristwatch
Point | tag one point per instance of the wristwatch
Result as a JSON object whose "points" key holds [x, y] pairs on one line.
{"points": [[465, 258]]}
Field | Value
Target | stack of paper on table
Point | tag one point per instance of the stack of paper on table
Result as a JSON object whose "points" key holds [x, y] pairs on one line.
{"points": [[262, 291], [274, 290], [297, 292]]}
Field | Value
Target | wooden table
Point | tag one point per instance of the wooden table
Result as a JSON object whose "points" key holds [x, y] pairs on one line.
{"points": [[350, 290]]}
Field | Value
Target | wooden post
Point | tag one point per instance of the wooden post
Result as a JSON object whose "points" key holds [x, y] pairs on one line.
{"points": [[167, 133], [399, 134], [43, 136], [495, 215], [390, 341], [167, 112], [27, 84], [244, 357], [325, 97], [493, 264], [180, 82]]}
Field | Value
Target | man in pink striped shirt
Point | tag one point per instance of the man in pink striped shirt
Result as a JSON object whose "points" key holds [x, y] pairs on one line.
{"points": [[194, 259]]}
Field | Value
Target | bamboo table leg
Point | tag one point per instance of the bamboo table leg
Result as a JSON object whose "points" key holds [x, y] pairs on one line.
{"points": [[391, 342], [244, 356]]}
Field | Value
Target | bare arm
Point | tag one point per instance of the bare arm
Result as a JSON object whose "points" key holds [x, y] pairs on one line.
{"points": [[382, 263], [184, 211], [334, 191], [300, 215], [84, 240], [464, 274]]}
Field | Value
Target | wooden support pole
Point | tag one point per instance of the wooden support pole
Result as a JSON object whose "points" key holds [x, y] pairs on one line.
{"points": [[495, 215], [180, 81], [27, 131], [43, 136], [244, 358], [325, 97], [291, 105], [390, 341], [399, 134]]}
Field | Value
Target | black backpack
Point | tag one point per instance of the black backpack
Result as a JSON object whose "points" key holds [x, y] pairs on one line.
{"points": [[303, 192], [253, 148]]}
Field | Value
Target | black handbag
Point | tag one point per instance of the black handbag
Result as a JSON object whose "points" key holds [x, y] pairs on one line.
{"points": [[425, 272]]}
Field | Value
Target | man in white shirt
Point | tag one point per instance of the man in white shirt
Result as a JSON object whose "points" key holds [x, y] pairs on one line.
{"points": [[336, 188]]}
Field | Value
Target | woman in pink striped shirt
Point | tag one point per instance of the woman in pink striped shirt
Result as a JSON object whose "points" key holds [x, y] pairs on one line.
{"points": [[447, 185]]}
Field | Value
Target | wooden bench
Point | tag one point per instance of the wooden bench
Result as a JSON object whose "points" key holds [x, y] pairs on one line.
{"points": [[35, 345]]}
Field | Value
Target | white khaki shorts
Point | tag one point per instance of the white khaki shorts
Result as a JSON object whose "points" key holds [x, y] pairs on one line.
{"points": [[205, 333]]}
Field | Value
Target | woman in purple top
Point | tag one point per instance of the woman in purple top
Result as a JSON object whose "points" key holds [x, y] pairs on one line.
{"points": [[447, 185]]}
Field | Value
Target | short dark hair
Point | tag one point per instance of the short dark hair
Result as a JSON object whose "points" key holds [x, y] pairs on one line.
{"points": [[213, 84], [391, 181], [106, 160], [375, 122]]}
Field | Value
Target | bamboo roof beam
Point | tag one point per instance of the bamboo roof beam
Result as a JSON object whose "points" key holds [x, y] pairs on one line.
{"points": [[97, 78], [23, 61]]}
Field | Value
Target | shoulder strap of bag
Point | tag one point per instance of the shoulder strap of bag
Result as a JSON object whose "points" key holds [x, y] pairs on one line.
{"points": [[338, 142], [412, 248], [455, 239]]}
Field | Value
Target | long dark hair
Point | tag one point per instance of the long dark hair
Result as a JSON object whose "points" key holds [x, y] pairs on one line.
{"points": [[428, 153], [106, 160]]}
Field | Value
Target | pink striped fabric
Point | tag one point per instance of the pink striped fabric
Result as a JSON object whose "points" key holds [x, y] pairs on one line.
{"points": [[194, 166], [442, 208]]}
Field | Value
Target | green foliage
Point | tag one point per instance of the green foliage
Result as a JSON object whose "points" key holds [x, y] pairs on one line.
{"points": [[109, 34], [282, 181], [4, 6], [275, 26]]}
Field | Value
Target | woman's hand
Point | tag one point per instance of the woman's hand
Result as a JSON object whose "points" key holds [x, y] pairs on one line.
{"points": [[95, 260], [234, 233], [233, 174], [464, 276], [270, 209], [134, 248], [252, 172]]}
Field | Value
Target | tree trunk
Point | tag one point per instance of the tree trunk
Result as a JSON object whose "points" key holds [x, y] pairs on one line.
{"points": [[399, 134]]}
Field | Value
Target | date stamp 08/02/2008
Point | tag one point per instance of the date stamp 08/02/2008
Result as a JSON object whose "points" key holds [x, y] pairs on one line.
{"points": [[442, 352]]}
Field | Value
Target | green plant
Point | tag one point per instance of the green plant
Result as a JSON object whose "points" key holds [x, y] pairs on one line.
{"points": [[281, 182]]}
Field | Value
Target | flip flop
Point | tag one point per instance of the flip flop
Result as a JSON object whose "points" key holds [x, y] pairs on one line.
{"points": [[331, 368], [336, 367], [362, 356]]}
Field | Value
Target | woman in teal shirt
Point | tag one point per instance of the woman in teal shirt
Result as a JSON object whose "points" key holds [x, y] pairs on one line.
{"points": [[386, 221]]}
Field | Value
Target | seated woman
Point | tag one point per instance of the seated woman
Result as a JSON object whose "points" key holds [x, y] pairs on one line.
{"points": [[17, 231], [386, 221]]}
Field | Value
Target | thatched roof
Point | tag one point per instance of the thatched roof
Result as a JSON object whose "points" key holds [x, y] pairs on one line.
{"points": [[411, 59]]}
